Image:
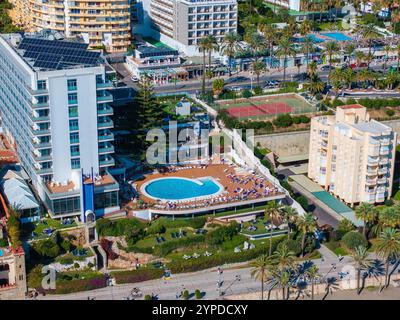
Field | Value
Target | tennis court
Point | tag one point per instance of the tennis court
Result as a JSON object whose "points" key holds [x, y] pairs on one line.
{"points": [[263, 108]]}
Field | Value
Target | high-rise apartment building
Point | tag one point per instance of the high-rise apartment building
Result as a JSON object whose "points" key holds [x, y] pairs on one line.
{"points": [[181, 23], [352, 156], [101, 23], [55, 107]]}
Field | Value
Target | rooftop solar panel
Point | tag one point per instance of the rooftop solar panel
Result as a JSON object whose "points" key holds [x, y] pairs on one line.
{"points": [[52, 54]]}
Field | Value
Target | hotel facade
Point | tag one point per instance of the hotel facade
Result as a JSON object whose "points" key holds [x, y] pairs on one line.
{"points": [[55, 109], [181, 23], [352, 156], [101, 23]]}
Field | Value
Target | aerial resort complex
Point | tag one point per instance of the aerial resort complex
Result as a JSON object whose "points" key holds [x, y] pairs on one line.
{"points": [[199, 150]]}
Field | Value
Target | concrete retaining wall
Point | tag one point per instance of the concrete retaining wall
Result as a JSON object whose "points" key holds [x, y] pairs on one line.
{"points": [[297, 142]]}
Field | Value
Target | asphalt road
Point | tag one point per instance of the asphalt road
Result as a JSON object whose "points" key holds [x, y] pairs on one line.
{"points": [[206, 281]]}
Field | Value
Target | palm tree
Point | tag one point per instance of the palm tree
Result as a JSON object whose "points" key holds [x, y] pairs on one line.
{"points": [[388, 49], [398, 57], [306, 47], [269, 35], [312, 273], [349, 51], [360, 258], [258, 67], [282, 257], [366, 213], [256, 43], [390, 217], [290, 214], [369, 34], [259, 270], [315, 86], [230, 46], [307, 225], [285, 50], [202, 45], [336, 79], [273, 212], [305, 27], [312, 69], [360, 57], [387, 247], [392, 77], [331, 48]]}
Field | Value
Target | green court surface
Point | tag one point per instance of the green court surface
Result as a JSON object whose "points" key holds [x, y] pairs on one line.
{"points": [[337, 206], [156, 43]]}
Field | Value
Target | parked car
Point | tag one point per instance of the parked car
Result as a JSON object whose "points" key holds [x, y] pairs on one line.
{"points": [[135, 79], [300, 76], [362, 65], [327, 68]]}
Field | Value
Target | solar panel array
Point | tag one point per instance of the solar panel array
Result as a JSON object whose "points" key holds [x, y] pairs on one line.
{"points": [[52, 54]]}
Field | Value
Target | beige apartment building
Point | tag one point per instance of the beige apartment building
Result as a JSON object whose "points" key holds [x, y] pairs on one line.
{"points": [[352, 156], [100, 23]]}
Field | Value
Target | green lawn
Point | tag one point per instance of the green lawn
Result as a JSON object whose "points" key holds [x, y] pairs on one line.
{"points": [[337, 248], [150, 241]]}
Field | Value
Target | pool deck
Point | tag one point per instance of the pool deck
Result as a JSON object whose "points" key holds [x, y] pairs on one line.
{"points": [[230, 177]]}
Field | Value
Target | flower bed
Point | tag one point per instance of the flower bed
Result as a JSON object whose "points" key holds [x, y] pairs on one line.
{"points": [[137, 275]]}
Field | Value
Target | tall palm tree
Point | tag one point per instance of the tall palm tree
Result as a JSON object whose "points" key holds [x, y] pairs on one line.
{"points": [[282, 257], [387, 247], [366, 213], [259, 270], [315, 86], [390, 216], [273, 212], [360, 258], [349, 51], [306, 224], [336, 79], [388, 49], [312, 273], [230, 46], [290, 214], [398, 57], [203, 45], [285, 50], [306, 47], [305, 27], [331, 49], [369, 34], [392, 77], [312, 69], [270, 36], [258, 67], [256, 43]]}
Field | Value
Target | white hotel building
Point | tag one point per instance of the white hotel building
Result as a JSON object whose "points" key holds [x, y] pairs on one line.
{"points": [[54, 106], [352, 156], [181, 23]]}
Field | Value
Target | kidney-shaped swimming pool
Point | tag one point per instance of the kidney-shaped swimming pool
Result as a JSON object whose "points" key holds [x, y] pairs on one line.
{"points": [[170, 189]]}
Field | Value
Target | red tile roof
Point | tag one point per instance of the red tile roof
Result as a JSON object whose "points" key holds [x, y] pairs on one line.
{"points": [[351, 106]]}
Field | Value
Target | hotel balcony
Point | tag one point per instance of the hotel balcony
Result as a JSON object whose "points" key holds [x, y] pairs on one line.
{"points": [[383, 161], [382, 170], [384, 151], [105, 98], [105, 111], [107, 149], [109, 136], [324, 144], [105, 124], [382, 180], [385, 142], [373, 151], [372, 161], [370, 182], [372, 172], [104, 85], [107, 162]]}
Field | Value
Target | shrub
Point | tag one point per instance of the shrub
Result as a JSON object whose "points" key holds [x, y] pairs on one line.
{"points": [[389, 203], [344, 227], [222, 234], [390, 112], [168, 246], [133, 276], [292, 245], [296, 120], [46, 248], [246, 93], [147, 297], [76, 265], [186, 295], [66, 260], [258, 90], [197, 294], [283, 120], [64, 286], [156, 229], [201, 263], [66, 245], [3, 243], [354, 239], [120, 227], [302, 200]]}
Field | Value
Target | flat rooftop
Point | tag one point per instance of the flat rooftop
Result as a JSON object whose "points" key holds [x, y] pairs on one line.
{"points": [[42, 51], [99, 180]]}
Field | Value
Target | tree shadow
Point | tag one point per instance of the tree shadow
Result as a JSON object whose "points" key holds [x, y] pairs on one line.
{"points": [[376, 269], [331, 286]]}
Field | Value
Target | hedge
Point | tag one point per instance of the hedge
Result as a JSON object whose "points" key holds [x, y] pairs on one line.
{"points": [[140, 275], [65, 287], [195, 223], [201, 263]]}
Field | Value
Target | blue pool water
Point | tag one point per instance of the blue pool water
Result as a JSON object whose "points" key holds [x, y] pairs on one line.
{"points": [[314, 38], [179, 188], [338, 36]]}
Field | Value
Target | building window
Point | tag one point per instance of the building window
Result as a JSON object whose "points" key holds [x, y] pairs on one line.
{"points": [[73, 111], [42, 85], [68, 205], [72, 98], [75, 163], [73, 125], [105, 200], [74, 151], [74, 137], [72, 84]]}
